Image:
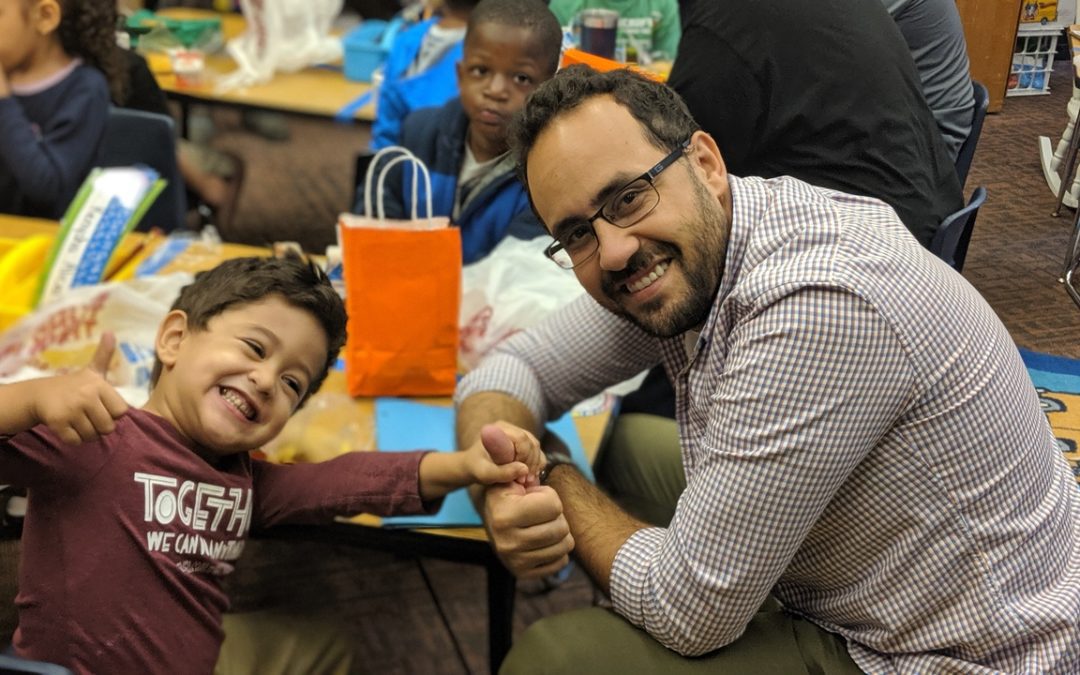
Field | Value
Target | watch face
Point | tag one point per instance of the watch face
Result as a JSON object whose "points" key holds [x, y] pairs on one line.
{"points": [[553, 460]]}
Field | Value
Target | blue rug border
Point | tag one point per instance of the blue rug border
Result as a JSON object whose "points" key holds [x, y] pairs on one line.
{"points": [[1060, 365], [1053, 373]]}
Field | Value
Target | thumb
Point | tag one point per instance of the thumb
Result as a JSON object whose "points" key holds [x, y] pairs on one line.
{"points": [[99, 363], [497, 443]]}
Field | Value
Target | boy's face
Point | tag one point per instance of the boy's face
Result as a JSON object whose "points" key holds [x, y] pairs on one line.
{"points": [[232, 387], [500, 67]]}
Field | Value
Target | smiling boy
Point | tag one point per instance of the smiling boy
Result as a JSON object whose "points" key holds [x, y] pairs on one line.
{"points": [[511, 46], [135, 516]]}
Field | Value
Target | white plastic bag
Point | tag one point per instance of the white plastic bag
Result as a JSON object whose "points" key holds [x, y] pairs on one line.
{"points": [[61, 336], [511, 289], [282, 35]]}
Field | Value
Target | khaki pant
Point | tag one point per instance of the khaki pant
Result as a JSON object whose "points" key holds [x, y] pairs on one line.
{"points": [[269, 643], [597, 641]]}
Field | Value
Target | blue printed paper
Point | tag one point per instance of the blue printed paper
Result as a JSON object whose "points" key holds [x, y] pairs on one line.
{"points": [[407, 425]]}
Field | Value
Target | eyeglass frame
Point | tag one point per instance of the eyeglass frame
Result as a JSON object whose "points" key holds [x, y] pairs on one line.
{"points": [[649, 177]]}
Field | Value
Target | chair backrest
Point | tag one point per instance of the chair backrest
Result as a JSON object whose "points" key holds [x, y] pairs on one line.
{"points": [[967, 148], [140, 137], [954, 234], [13, 665], [362, 162]]}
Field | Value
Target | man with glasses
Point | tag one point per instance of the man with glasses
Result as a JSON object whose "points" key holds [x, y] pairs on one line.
{"points": [[861, 440]]}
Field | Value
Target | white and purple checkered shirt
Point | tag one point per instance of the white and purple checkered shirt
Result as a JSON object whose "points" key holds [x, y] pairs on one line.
{"points": [[860, 438]]}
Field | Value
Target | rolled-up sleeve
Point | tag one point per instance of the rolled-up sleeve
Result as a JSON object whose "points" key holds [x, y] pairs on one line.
{"points": [[575, 353]]}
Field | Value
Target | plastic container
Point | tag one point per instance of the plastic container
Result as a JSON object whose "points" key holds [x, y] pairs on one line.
{"points": [[197, 31], [1033, 60], [365, 49]]}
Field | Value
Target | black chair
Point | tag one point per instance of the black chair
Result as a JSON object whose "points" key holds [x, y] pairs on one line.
{"points": [[140, 137], [360, 167], [1072, 261], [967, 148], [954, 234], [13, 665]]}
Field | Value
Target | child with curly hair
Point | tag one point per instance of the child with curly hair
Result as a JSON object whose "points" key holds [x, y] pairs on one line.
{"points": [[58, 67]]}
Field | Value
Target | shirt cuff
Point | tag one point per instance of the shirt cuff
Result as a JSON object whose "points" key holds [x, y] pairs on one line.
{"points": [[631, 570]]}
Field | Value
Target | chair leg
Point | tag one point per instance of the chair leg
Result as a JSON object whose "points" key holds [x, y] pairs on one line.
{"points": [[1068, 168], [1066, 136], [1072, 261]]}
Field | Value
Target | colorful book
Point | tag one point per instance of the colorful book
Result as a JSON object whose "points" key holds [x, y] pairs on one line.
{"points": [[108, 205]]}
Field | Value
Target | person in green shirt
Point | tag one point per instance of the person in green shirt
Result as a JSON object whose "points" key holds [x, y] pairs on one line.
{"points": [[646, 27]]}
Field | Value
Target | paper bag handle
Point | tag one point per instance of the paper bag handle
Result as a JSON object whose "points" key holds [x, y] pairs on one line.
{"points": [[418, 169]]}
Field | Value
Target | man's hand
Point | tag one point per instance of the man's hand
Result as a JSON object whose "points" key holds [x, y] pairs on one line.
{"points": [[82, 405], [527, 528]]}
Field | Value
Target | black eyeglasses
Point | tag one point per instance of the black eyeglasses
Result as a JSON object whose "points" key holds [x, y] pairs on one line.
{"points": [[626, 208]]}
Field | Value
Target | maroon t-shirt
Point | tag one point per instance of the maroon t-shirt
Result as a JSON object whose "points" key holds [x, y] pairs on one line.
{"points": [[127, 537]]}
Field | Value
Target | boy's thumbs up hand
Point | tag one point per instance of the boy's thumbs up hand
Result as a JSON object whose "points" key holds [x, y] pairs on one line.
{"points": [[99, 362], [80, 406]]}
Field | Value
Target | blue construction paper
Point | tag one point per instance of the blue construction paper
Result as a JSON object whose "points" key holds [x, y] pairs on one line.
{"points": [[407, 425]]}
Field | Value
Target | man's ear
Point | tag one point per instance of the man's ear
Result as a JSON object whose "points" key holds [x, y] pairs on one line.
{"points": [[45, 16], [459, 69], [171, 334], [705, 157]]}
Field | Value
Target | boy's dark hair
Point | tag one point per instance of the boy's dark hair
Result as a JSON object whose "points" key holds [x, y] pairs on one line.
{"points": [[247, 280], [664, 117], [88, 30], [461, 7], [531, 14]]}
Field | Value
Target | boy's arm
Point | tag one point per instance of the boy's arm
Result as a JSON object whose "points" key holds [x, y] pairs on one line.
{"points": [[76, 407]]}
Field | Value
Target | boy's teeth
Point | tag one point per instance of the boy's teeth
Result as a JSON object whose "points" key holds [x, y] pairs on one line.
{"points": [[238, 401], [647, 281]]}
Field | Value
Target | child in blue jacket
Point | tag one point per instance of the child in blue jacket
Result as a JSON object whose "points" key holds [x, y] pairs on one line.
{"points": [[420, 70], [510, 47]]}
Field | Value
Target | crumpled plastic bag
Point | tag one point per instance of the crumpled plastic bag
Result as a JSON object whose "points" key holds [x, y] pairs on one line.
{"points": [[62, 335], [511, 289], [282, 35]]}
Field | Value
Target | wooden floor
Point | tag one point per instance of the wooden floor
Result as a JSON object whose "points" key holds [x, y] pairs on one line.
{"points": [[408, 616]]}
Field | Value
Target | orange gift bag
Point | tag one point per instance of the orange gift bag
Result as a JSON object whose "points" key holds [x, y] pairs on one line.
{"points": [[402, 292]]}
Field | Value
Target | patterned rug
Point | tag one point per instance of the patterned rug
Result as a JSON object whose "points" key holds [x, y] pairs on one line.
{"points": [[1057, 379]]}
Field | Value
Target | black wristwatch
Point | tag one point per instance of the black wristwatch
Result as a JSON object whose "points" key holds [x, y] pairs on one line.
{"points": [[554, 459]]}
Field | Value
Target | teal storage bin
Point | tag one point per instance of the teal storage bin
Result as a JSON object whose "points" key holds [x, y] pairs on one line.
{"points": [[365, 49]]}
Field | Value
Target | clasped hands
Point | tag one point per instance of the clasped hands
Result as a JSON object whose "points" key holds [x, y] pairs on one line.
{"points": [[524, 519]]}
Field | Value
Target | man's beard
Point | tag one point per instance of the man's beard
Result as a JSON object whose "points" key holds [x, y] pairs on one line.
{"points": [[702, 267]]}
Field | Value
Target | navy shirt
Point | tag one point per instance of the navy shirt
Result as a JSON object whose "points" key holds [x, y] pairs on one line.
{"points": [[50, 138]]}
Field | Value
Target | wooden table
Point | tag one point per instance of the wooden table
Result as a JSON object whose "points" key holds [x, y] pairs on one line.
{"points": [[319, 91], [18, 226]]}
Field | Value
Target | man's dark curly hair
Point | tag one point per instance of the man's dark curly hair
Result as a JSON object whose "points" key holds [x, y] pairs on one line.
{"points": [[664, 117], [243, 281], [88, 30]]}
